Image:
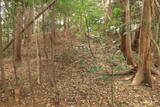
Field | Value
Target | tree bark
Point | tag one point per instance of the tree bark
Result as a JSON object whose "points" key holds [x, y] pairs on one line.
{"points": [[123, 37], [144, 67], [1, 48], [47, 74], [135, 43], [126, 39], [55, 38], [128, 48], [29, 15], [39, 64], [109, 12], [17, 35], [28, 45]]}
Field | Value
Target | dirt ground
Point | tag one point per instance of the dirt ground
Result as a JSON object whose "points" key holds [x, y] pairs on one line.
{"points": [[76, 85]]}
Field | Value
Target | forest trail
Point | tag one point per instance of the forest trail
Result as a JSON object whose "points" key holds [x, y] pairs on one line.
{"points": [[81, 80]]}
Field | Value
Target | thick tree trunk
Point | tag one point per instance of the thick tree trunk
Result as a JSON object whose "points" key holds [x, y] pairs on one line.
{"points": [[144, 67], [17, 35]]}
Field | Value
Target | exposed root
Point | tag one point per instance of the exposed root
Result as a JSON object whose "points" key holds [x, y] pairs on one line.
{"points": [[155, 72], [138, 78], [124, 72], [134, 70], [129, 78]]}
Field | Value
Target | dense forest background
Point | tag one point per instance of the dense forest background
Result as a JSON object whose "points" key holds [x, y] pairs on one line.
{"points": [[78, 53]]}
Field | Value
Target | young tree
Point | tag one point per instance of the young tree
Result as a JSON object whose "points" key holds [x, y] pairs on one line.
{"points": [[17, 36], [53, 29], [128, 49], [28, 60], [39, 60], [28, 16], [144, 67], [126, 37], [109, 12], [53, 40], [1, 47]]}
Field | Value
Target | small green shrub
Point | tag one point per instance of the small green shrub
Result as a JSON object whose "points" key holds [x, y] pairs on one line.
{"points": [[82, 63], [94, 68], [103, 76]]}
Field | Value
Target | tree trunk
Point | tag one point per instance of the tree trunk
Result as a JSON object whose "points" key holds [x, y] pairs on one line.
{"points": [[157, 26], [29, 15], [109, 12], [55, 39], [6, 3], [126, 39], [128, 48], [29, 69], [1, 48], [28, 18], [65, 22], [17, 35], [123, 37], [39, 64], [47, 74], [157, 52], [144, 67], [135, 43]]}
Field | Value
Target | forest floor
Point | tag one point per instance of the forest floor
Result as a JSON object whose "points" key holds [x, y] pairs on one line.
{"points": [[81, 80]]}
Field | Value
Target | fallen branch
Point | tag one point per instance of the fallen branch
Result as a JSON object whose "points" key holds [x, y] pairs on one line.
{"points": [[29, 24]]}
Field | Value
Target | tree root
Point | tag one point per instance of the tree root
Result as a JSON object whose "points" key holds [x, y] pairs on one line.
{"points": [[124, 72], [128, 78], [155, 72], [133, 71]]}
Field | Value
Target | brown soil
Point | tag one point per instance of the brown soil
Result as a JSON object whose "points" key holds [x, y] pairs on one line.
{"points": [[76, 86]]}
